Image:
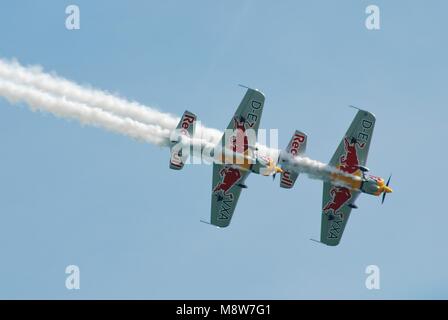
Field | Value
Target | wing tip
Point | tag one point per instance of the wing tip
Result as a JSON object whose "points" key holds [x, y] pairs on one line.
{"points": [[253, 89], [210, 224], [362, 110], [323, 242]]}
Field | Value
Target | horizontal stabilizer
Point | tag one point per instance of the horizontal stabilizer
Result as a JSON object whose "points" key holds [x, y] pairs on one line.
{"points": [[296, 147], [185, 128]]}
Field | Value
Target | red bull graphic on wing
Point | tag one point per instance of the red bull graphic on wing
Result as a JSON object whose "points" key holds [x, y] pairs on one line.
{"points": [[230, 177], [340, 195], [349, 162], [239, 141]]}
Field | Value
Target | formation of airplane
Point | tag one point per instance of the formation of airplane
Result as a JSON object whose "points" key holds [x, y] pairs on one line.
{"points": [[238, 156]]}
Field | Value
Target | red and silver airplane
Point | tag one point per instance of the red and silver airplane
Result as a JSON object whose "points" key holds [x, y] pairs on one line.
{"points": [[237, 156], [345, 185]]}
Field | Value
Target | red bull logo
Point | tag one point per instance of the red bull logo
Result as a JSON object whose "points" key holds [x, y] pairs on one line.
{"points": [[349, 162], [240, 141], [340, 195], [230, 177]]}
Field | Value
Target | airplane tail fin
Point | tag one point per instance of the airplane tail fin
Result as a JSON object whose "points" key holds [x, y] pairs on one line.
{"points": [[296, 147], [186, 127]]}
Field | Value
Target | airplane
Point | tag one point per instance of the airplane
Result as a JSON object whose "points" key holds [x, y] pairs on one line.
{"points": [[340, 193], [237, 156], [234, 160]]}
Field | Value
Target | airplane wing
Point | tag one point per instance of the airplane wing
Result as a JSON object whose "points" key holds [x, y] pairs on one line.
{"points": [[227, 184], [228, 177], [335, 212], [354, 147], [241, 133], [337, 201]]}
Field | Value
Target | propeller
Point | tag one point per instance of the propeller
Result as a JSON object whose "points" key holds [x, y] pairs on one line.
{"points": [[384, 193]]}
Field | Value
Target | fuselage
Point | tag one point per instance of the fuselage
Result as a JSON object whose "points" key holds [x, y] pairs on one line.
{"points": [[255, 163], [364, 183]]}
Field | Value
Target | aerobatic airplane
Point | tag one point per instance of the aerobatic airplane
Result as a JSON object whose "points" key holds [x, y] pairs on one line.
{"points": [[237, 156], [340, 193]]}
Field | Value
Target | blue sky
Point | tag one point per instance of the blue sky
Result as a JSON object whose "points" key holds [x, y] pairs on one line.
{"points": [[72, 194]]}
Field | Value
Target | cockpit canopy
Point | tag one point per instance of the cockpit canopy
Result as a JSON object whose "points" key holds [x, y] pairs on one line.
{"points": [[372, 185], [264, 165]]}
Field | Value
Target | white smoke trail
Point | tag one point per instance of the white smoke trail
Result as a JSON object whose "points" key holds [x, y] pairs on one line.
{"points": [[62, 97], [33, 76], [59, 106], [313, 168]]}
